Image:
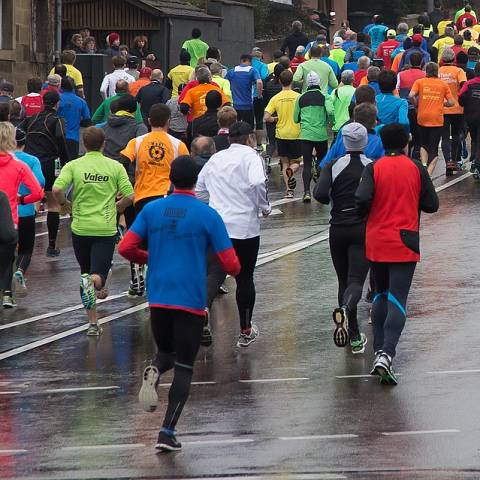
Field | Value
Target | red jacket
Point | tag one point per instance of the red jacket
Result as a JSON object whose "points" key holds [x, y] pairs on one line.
{"points": [[296, 61], [357, 77], [13, 172], [385, 50], [393, 191]]}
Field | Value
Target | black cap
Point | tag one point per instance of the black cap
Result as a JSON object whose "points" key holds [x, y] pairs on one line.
{"points": [[20, 137], [132, 62], [184, 172], [50, 99], [240, 129], [6, 86]]}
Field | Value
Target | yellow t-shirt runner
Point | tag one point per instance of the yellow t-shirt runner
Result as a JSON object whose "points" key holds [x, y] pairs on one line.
{"points": [[283, 105], [178, 75], [441, 44], [154, 153], [73, 73]]}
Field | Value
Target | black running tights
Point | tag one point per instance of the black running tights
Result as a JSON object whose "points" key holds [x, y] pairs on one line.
{"points": [[347, 248], [26, 241], [321, 149], [247, 253], [392, 284], [177, 334], [7, 257]]}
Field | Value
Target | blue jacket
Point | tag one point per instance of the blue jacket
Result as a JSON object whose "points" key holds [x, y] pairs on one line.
{"points": [[35, 167], [73, 109], [262, 69], [377, 36], [373, 151], [333, 64], [350, 66], [406, 57], [392, 109]]}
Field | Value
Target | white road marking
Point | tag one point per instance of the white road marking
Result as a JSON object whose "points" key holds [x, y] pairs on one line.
{"points": [[193, 383], [281, 252], [12, 452], [275, 211], [41, 234], [419, 432], [320, 437], [363, 376], [43, 218], [283, 201], [78, 389], [104, 447], [54, 314], [453, 372], [9, 393], [274, 380], [225, 441]]}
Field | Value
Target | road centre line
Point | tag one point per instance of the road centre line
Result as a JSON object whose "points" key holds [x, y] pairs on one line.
{"points": [[453, 372], [320, 437], [12, 452], [226, 441], [193, 383], [10, 393], [77, 389], [295, 247], [274, 380], [104, 447], [419, 432]]}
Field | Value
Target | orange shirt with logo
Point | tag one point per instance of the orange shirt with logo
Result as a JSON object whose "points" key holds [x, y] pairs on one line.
{"points": [[195, 98], [432, 93], [453, 77], [154, 153]]}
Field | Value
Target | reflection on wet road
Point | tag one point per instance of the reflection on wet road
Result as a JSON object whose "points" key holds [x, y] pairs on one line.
{"points": [[293, 406]]}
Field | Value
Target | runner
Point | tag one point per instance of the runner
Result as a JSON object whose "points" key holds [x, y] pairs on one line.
{"points": [[386, 48], [13, 173], [152, 154], [180, 74], [337, 184], [109, 83], [96, 181], [195, 47], [152, 94], [234, 181], [452, 133], [226, 117], [68, 59], [430, 95], [32, 103], [280, 110], [392, 191], [8, 242], [342, 98], [314, 112], [391, 109], [46, 140], [377, 32]]}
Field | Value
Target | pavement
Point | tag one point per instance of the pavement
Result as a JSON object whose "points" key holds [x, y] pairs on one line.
{"points": [[291, 406]]}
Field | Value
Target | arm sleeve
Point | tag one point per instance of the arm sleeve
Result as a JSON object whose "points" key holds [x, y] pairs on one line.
{"points": [[270, 108], [366, 190], [222, 245], [329, 107], [8, 233], [414, 88], [104, 87], [29, 180], [429, 202], [298, 76], [65, 179], [138, 114], [322, 189], [99, 114], [123, 183], [85, 111], [264, 72], [129, 248], [129, 150]]}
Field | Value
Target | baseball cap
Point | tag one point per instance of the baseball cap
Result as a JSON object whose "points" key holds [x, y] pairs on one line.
{"points": [[54, 79], [6, 86], [417, 38], [337, 41], [391, 33]]}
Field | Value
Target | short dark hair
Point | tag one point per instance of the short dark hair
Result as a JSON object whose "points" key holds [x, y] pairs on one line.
{"points": [[61, 70], [278, 69], [387, 81], [50, 99], [458, 40], [4, 112], [213, 99], [277, 54], [93, 139], [286, 78], [469, 22], [132, 62], [159, 115], [364, 94], [196, 33], [34, 85], [184, 57], [127, 103], [316, 51], [378, 19], [184, 172], [394, 137], [121, 86], [416, 59], [366, 114], [67, 84], [239, 132], [360, 37], [245, 56], [213, 52]]}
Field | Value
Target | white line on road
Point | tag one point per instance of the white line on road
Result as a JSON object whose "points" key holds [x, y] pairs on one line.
{"points": [[454, 372], [274, 380], [225, 441], [320, 437], [104, 447], [283, 201], [9, 393], [357, 376], [419, 432], [77, 389], [193, 383], [453, 182], [12, 452], [41, 234]]}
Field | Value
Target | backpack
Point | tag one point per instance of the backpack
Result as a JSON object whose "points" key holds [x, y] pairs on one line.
{"points": [[32, 105]]}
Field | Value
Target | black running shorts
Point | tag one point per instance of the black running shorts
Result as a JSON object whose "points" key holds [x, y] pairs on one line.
{"points": [[292, 149], [430, 140]]}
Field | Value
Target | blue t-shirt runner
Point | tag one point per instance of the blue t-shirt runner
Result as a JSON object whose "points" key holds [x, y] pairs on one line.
{"points": [[242, 79]]}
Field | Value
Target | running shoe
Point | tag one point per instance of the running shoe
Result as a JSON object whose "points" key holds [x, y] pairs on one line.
{"points": [[476, 173], [167, 442], [307, 197], [103, 292], [245, 339], [451, 167], [340, 335], [358, 345], [9, 301], [289, 194], [147, 396], [382, 367], [94, 330], [223, 290], [292, 181], [206, 340], [137, 284], [20, 283], [268, 160], [87, 291], [53, 252]]}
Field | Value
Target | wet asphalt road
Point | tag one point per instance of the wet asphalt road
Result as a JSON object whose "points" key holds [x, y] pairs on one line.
{"points": [[292, 406]]}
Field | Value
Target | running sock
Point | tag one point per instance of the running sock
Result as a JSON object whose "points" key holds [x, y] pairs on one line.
{"points": [[53, 222], [167, 431], [178, 395]]}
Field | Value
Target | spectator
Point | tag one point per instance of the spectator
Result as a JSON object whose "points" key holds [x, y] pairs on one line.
{"points": [[207, 124], [76, 43], [132, 68], [113, 44], [108, 87], [196, 47], [85, 32], [152, 94], [75, 111], [32, 103], [124, 52], [68, 60], [296, 38], [140, 49], [143, 79], [226, 117], [89, 45], [179, 75]]}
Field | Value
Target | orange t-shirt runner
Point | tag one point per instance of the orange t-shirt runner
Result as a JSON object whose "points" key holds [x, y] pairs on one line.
{"points": [[154, 153], [432, 93], [453, 77], [195, 98]]}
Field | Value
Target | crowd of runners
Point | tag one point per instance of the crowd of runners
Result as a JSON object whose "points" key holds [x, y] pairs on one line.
{"points": [[175, 171]]}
